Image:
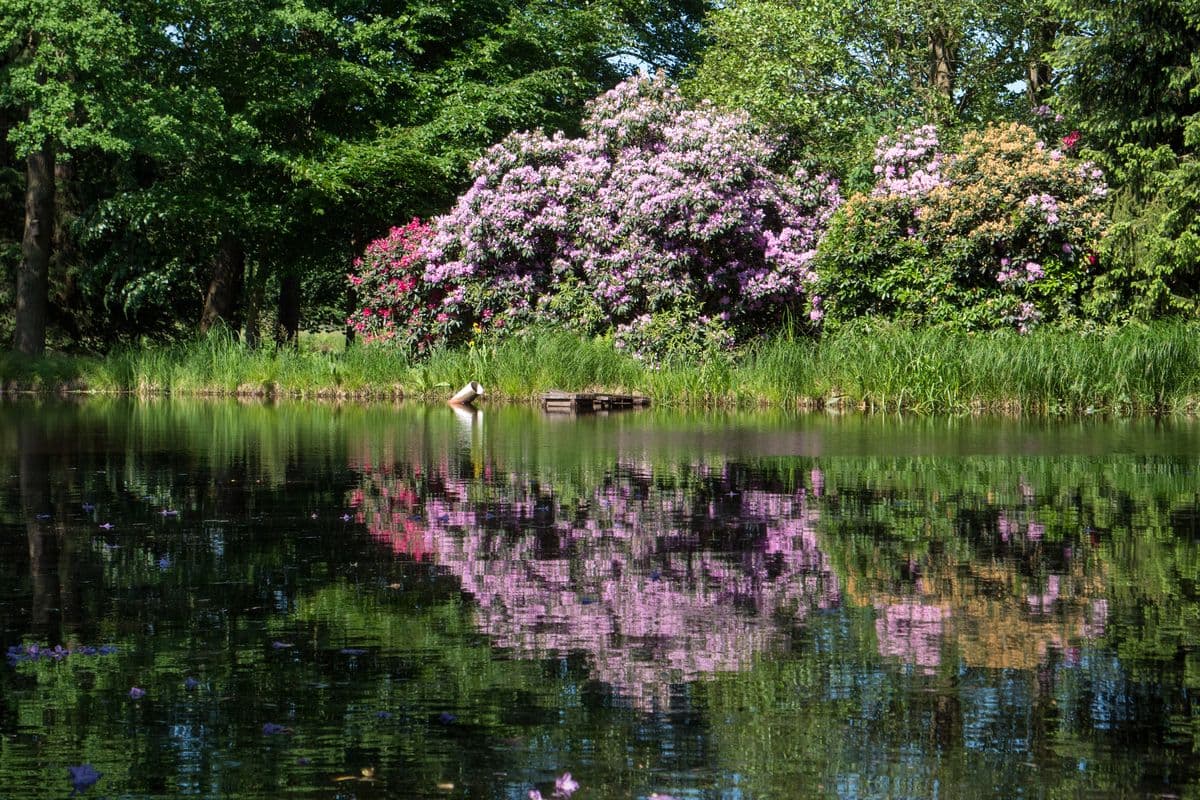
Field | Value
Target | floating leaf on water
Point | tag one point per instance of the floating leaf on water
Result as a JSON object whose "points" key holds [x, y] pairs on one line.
{"points": [[83, 777], [446, 787], [365, 774]]}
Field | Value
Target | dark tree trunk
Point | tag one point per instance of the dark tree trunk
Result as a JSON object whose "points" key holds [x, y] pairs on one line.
{"points": [[1038, 72], [288, 332], [254, 303], [221, 303], [66, 303], [34, 481], [33, 272], [941, 64]]}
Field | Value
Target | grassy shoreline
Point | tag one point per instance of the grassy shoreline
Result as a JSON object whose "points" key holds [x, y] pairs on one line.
{"points": [[873, 366]]}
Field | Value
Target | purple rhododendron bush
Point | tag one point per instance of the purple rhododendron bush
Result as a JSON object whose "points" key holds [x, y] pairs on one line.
{"points": [[663, 225]]}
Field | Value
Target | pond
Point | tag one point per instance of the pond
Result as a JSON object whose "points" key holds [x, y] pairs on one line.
{"points": [[245, 600]]}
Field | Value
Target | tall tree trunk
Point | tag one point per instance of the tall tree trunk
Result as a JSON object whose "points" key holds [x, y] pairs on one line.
{"points": [[34, 480], [221, 303], [33, 272], [288, 332], [941, 62], [254, 302], [66, 302], [1038, 72]]}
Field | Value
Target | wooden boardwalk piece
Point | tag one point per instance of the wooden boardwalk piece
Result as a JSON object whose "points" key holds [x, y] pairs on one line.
{"points": [[555, 401]]}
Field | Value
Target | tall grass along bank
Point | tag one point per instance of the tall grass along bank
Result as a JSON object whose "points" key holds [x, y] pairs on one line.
{"points": [[870, 365]]}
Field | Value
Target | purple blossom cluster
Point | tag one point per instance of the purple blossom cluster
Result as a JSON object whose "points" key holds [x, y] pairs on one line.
{"points": [[1008, 273], [20, 653], [660, 205], [1045, 206], [908, 164]]}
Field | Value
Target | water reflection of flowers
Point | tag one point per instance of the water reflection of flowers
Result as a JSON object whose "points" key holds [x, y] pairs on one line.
{"points": [[627, 579]]}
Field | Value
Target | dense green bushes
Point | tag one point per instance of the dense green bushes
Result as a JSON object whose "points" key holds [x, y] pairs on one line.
{"points": [[1000, 232]]}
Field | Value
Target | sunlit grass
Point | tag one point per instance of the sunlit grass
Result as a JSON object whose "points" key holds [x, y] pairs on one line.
{"points": [[872, 365]]}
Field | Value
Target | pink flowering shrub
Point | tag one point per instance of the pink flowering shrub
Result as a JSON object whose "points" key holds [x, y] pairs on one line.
{"points": [[396, 304], [1000, 232], [661, 211]]}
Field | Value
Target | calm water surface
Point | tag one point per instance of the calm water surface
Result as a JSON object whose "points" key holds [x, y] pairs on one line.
{"points": [[366, 602]]}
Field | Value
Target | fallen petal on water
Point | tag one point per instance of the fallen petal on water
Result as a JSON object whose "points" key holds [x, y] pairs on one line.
{"points": [[565, 786]]}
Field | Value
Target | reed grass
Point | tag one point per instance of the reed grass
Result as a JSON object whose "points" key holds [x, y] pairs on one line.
{"points": [[872, 365]]}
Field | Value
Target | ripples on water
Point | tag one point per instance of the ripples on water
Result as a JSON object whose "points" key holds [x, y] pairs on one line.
{"points": [[335, 601]]}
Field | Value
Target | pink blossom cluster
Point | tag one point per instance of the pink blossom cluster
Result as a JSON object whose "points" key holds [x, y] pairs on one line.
{"points": [[659, 205], [1032, 271], [396, 305], [908, 164], [1045, 205]]}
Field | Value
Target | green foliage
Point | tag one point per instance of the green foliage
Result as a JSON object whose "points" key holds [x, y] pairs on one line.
{"points": [[1000, 232], [833, 76], [1152, 250], [871, 364], [1130, 73], [62, 65], [297, 130]]}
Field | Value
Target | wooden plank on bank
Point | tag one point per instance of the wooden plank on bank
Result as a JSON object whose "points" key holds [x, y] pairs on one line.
{"points": [[558, 401]]}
